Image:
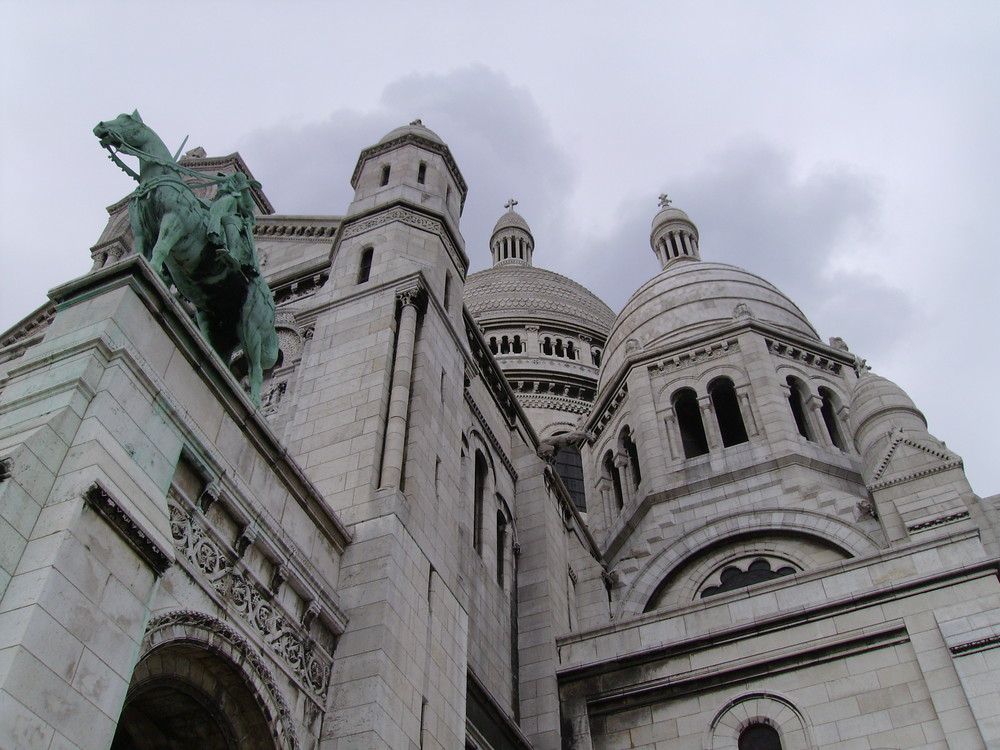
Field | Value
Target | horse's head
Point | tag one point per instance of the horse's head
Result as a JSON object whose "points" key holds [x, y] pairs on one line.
{"points": [[124, 130]]}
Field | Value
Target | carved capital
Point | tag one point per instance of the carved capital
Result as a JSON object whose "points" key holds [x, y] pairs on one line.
{"points": [[410, 295]]}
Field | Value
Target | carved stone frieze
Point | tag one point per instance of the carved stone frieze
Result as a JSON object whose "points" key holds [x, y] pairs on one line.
{"points": [[254, 605]]}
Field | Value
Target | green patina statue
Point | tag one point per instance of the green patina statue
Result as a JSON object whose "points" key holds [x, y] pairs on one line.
{"points": [[205, 249]]}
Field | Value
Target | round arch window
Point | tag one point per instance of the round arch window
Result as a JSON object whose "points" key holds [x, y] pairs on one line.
{"points": [[759, 737]]}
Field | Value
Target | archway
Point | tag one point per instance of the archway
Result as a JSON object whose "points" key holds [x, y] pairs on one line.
{"points": [[185, 695]]}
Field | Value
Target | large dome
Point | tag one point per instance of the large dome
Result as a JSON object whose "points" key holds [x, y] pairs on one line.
{"points": [[523, 292], [690, 299]]}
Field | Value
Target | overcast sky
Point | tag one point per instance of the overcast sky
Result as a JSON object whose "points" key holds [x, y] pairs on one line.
{"points": [[846, 151]]}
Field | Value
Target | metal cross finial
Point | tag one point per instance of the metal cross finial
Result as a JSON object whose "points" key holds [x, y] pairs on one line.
{"points": [[509, 205], [664, 200]]}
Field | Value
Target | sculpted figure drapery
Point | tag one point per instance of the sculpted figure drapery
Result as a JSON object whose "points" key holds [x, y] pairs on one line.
{"points": [[205, 250]]}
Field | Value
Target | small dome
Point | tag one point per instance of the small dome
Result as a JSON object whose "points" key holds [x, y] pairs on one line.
{"points": [[878, 405], [523, 292], [689, 300], [415, 128], [668, 214], [511, 219]]}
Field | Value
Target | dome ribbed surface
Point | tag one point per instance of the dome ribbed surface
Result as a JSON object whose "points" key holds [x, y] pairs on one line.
{"points": [[521, 291], [688, 300], [511, 219]]}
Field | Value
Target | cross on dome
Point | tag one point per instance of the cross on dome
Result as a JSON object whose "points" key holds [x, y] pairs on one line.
{"points": [[664, 200], [509, 205]]}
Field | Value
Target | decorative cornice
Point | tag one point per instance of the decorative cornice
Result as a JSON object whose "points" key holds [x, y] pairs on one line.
{"points": [[102, 502], [980, 644], [802, 355], [694, 357], [940, 521], [539, 401], [294, 231], [255, 606], [609, 411], [949, 461]]}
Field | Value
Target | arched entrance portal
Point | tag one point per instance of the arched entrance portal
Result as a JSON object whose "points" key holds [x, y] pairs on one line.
{"points": [[186, 694]]}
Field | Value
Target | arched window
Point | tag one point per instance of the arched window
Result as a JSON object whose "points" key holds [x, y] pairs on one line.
{"points": [[385, 174], [727, 411], [547, 346], [501, 544], [482, 472], [689, 423], [518, 345], [569, 467], [759, 736], [422, 172], [365, 266], [796, 400], [595, 356], [829, 412], [611, 472]]}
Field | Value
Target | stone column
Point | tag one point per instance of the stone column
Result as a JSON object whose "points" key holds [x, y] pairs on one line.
{"points": [[814, 413], [710, 423], [399, 398]]}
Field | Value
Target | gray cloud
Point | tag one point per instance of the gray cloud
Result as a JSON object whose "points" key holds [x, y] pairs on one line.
{"points": [[501, 140]]}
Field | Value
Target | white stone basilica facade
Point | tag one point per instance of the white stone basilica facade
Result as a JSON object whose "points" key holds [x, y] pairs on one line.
{"points": [[476, 510]]}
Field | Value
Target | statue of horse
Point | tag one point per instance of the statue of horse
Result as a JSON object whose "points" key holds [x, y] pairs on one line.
{"points": [[233, 304]]}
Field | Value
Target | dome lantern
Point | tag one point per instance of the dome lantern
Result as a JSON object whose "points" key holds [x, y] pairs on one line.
{"points": [[674, 237], [511, 241]]}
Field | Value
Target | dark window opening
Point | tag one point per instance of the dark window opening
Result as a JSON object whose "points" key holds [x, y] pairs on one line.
{"points": [[759, 737], [727, 412], [493, 345], [422, 172], [569, 467], [482, 471], [447, 291], [385, 175], [595, 355], [829, 412], [570, 350], [365, 266], [518, 345], [505, 345], [733, 578], [692, 430], [501, 546], [547, 346], [560, 352], [797, 403]]}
